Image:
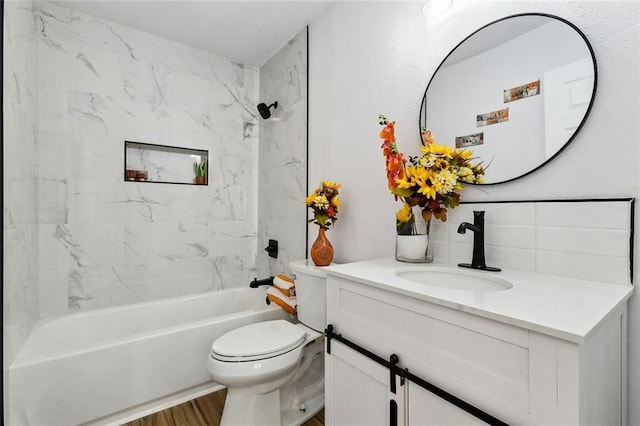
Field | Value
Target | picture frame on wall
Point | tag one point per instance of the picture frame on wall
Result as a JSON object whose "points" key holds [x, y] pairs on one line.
{"points": [[470, 140], [493, 117], [521, 92]]}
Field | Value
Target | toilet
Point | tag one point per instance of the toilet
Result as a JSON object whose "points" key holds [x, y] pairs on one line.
{"points": [[274, 370]]}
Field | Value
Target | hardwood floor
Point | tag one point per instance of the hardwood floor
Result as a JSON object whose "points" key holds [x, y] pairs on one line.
{"points": [[203, 411]]}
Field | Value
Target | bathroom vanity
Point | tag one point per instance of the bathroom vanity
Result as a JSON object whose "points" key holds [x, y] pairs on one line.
{"points": [[520, 347]]}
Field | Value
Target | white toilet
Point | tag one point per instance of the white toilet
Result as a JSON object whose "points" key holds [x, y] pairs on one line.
{"points": [[274, 370]]}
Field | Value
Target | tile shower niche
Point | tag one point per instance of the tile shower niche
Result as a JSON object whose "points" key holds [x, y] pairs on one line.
{"points": [[144, 162]]}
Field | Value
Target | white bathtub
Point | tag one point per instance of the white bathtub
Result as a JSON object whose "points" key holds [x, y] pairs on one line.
{"points": [[114, 364]]}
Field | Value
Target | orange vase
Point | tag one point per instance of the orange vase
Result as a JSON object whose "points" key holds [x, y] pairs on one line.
{"points": [[321, 250]]}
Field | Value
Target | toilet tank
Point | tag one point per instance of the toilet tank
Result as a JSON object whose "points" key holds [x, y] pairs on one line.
{"points": [[311, 293]]}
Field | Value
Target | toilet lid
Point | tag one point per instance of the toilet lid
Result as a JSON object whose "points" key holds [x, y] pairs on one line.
{"points": [[261, 338]]}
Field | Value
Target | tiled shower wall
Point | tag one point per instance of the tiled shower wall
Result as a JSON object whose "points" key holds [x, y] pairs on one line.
{"points": [[104, 241], [283, 164], [20, 179]]}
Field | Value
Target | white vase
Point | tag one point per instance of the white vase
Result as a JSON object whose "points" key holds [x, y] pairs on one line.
{"points": [[415, 248]]}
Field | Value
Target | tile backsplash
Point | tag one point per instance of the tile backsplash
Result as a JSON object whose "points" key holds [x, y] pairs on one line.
{"points": [[584, 239]]}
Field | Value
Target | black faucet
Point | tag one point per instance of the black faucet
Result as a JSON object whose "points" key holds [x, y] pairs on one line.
{"points": [[257, 283], [477, 261]]}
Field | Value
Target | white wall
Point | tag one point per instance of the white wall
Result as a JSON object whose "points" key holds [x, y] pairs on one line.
{"points": [[377, 57]]}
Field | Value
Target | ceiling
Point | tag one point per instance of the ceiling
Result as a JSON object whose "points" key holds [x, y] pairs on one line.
{"points": [[247, 32]]}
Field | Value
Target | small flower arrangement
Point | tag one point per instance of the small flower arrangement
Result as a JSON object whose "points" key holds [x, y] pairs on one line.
{"points": [[430, 181], [324, 202]]}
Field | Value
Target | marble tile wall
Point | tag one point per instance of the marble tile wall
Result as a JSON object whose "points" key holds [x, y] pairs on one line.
{"points": [[20, 175], [104, 241], [283, 163]]}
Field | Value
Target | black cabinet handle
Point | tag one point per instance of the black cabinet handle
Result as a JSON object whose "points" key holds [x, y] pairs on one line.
{"points": [[393, 361], [393, 413]]}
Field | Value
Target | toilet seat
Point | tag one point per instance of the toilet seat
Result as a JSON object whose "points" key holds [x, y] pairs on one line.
{"points": [[258, 341], [256, 370]]}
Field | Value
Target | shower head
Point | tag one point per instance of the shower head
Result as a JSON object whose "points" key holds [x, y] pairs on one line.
{"points": [[264, 110]]}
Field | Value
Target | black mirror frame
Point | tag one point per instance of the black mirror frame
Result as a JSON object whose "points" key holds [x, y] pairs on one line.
{"points": [[423, 113]]}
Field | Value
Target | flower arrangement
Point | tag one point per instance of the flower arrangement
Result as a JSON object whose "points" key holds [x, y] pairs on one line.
{"points": [[430, 181], [324, 202]]}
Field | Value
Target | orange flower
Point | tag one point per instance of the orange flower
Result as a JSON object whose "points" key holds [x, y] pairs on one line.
{"points": [[388, 132], [388, 148], [395, 169], [395, 162]]}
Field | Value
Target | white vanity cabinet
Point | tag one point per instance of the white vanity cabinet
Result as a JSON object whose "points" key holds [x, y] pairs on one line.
{"points": [[518, 374], [425, 408], [361, 393]]}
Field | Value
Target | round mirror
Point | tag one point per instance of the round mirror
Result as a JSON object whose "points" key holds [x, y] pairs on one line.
{"points": [[515, 92]]}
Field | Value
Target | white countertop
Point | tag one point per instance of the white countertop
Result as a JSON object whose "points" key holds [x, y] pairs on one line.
{"points": [[561, 307]]}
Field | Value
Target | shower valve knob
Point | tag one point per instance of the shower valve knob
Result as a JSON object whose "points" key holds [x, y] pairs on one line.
{"points": [[272, 249]]}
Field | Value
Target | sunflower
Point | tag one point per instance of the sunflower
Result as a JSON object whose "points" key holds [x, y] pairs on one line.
{"points": [[404, 214], [331, 185], [324, 202]]}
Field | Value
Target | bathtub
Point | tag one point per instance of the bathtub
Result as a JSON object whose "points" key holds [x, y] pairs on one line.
{"points": [[112, 365]]}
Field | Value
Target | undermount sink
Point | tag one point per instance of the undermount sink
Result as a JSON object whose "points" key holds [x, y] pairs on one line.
{"points": [[452, 278]]}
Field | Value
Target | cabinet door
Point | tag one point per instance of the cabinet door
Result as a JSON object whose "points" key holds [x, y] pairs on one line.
{"points": [[425, 408], [358, 391]]}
